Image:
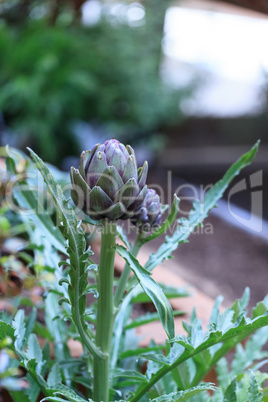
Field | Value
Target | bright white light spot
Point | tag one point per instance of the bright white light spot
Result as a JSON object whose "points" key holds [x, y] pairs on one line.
{"points": [[231, 46], [224, 98], [135, 12], [132, 14], [116, 9], [91, 12]]}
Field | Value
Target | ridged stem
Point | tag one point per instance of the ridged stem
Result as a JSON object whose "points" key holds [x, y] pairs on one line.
{"points": [[104, 325]]}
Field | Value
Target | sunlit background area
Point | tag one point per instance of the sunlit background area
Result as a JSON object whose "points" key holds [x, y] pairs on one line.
{"points": [[227, 47], [185, 83]]}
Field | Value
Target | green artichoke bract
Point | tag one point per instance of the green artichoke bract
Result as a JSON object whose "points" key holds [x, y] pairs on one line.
{"points": [[108, 183], [149, 216]]}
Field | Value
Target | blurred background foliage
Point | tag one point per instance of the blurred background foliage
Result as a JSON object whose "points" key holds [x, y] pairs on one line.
{"points": [[56, 71]]}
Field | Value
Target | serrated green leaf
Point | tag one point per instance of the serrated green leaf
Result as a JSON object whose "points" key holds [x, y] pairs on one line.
{"points": [[19, 325], [254, 395], [27, 200], [216, 311], [222, 372], [230, 393], [184, 395], [165, 386], [139, 351], [78, 254], [230, 338], [149, 317], [152, 290], [225, 320], [196, 334], [184, 374], [169, 291], [199, 212], [156, 357], [30, 323], [245, 299], [34, 351], [10, 163], [118, 373], [259, 309], [6, 331], [72, 396], [252, 351], [260, 377], [54, 377], [226, 340], [35, 378]]}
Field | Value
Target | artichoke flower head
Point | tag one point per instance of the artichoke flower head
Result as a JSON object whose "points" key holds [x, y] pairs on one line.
{"points": [[149, 216], [108, 183]]}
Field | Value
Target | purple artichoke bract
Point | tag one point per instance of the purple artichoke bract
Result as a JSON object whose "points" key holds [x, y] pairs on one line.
{"points": [[108, 183], [149, 216]]}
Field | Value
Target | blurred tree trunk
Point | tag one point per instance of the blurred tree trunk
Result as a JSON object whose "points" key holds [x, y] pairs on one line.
{"points": [[155, 19], [77, 5], [260, 6], [55, 6]]}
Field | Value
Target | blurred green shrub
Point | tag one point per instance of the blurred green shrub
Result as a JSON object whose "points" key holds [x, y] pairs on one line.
{"points": [[55, 71]]}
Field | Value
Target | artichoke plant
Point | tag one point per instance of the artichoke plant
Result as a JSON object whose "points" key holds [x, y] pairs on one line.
{"points": [[108, 183], [149, 215]]}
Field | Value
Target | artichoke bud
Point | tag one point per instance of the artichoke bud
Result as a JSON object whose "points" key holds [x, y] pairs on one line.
{"points": [[149, 216], [108, 183]]}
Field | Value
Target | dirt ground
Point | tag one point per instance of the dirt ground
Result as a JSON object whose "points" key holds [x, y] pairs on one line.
{"points": [[222, 258], [224, 262]]}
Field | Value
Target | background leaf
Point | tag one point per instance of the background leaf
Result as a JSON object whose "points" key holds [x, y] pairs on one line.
{"points": [[54, 377], [152, 290], [184, 395], [206, 353], [27, 200], [34, 351], [169, 291], [254, 395], [19, 325], [230, 393], [149, 317]]}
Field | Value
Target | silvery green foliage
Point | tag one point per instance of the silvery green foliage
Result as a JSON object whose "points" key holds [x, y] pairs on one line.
{"points": [[191, 357]]}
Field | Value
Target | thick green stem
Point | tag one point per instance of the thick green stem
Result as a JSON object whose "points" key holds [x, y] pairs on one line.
{"points": [[105, 317], [125, 274]]}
